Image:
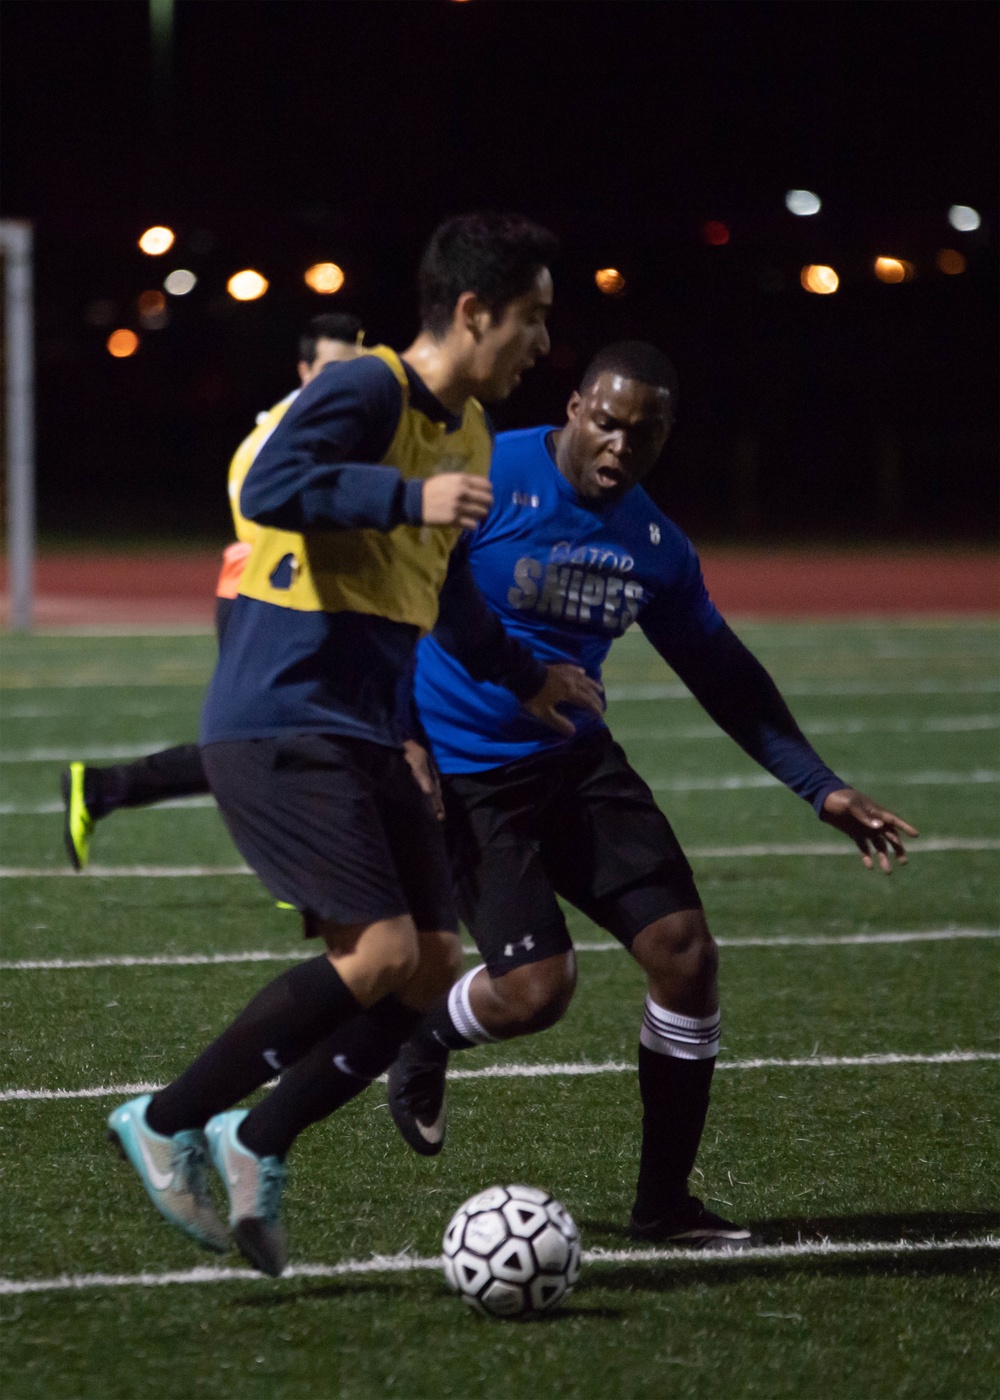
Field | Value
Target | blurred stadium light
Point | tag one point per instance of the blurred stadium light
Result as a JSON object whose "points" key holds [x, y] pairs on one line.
{"points": [[715, 233], [19, 413], [247, 285], [802, 203], [179, 282], [964, 218], [950, 261], [324, 277], [609, 281], [122, 343], [894, 270], [815, 277], [157, 240]]}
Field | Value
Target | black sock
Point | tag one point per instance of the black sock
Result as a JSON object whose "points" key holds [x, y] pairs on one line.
{"points": [[282, 1023], [336, 1070], [675, 1096], [176, 772], [451, 1023]]}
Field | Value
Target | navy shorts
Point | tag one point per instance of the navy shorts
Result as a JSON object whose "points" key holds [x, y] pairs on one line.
{"points": [[580, 823], [338, 827]]}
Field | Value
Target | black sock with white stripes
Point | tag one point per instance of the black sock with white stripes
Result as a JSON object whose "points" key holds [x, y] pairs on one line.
{"points": [[451, 1024], [336, 1070], [677, 1056], [278, 1027]]}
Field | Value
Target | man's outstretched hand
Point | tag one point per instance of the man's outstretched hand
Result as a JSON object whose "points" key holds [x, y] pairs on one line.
{"points": [[874, 831], [565, 685]]}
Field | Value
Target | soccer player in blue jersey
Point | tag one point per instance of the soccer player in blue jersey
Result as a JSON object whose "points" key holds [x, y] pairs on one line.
{"points": [[361, 493], [573, 553]]}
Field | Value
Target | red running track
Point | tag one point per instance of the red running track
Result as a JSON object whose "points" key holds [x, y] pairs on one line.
{"points": [[178, 589]]}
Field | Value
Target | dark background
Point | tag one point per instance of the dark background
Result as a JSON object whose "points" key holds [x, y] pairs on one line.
{"points": [[273, 133]]}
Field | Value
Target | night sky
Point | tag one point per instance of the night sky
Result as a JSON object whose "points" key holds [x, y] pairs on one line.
{"points": [[274, 133]]}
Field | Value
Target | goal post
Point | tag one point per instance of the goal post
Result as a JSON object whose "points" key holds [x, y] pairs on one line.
{"points": [[19, 419]]}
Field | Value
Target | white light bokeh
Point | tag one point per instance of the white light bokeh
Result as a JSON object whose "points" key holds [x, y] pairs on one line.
{"points": [[802, 203], [964, 218], [179, 282]]}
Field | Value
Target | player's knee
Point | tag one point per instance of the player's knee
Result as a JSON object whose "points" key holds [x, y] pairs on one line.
{"points": [[679, 948], [537, 995]]}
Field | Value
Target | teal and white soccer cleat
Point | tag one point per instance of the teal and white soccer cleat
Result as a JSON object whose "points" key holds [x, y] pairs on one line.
{"points": [[173, 1170], [254, 1186], [78, 824]]}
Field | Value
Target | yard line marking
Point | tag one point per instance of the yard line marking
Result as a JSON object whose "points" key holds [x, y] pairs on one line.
{"points": [[410, 1263], [956, 724], [265, 955], [86, 755], [567, 1070], [48, 809], [738, 781], [657, 690], [926, 846], [732, 783], [22, 683]]}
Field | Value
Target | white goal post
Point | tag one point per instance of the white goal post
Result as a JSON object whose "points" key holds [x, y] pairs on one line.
{"points": [[19, 419]]}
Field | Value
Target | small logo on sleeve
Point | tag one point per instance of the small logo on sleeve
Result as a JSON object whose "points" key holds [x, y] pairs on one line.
{"points": [[654, 532]]}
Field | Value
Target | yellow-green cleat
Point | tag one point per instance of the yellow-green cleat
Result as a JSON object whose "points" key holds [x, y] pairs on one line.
{"points": [[78, 824]]}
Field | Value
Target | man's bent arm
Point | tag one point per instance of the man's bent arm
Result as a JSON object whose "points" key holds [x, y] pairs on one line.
{"points": [[730, 683], [320, 468]]}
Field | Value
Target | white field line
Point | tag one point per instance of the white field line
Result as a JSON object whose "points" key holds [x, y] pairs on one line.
{"points": [[409, 1263], [732, 783], [926, 846], [565, 1070], [656, 690], [958, 724], [85, 754], [264, 955], [738, 781], [48, 809], [659, 690]]}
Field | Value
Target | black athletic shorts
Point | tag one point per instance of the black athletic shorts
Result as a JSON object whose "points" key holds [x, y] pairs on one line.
{"points": [[335, 826], [580, 823]]}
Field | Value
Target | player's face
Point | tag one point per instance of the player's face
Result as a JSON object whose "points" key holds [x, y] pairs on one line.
{"points": [[328, 352], [511, 344], [614, 434]]}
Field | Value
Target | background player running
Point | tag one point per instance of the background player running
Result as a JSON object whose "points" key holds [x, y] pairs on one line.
{"points": [[572, 554], [362, 491], [91, 793]]}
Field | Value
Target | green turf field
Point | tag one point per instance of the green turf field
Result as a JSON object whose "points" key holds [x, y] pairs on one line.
{"points": [[892, 1161]]}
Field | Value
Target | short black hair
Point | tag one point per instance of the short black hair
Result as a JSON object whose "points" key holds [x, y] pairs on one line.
{"points": [[331, 325], [497, 256], [634, 359]]}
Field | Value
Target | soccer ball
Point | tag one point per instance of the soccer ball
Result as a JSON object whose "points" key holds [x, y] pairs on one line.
{"points": [[512, 1251]]}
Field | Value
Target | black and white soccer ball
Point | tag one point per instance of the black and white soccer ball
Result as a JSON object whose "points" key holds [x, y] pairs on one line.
{"points": [[512, 1251]]}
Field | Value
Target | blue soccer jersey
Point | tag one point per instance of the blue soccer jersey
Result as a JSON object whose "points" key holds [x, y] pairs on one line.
{"points": [[566, 576]]}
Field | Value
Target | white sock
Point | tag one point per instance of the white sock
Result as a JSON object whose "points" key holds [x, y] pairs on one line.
{"points": [[463, 1018], [684, 1037]]}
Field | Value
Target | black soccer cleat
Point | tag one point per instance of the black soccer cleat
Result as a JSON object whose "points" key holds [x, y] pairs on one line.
{"points": [[416, 1097], [691, 1226]]}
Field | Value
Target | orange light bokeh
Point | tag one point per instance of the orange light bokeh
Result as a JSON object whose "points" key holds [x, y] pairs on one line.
{"points": [[818, 278], [715, 233], [894, 270], [156, 240], [122, 343], [609, 281], [151, 303], [950, 261], [325, 278], [247, 285]]}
